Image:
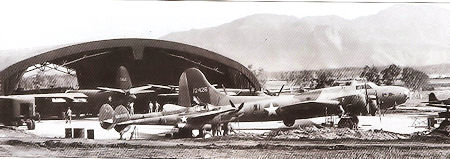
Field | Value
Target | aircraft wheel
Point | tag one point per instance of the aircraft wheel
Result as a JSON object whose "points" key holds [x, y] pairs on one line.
{"points": [[348, 122], [31, 125], [355, 120], [201, 133], [289, 122], [345, 123]]}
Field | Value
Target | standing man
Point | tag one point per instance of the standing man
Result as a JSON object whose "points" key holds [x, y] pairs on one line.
{"points": [[69, 115], [157, 107], [150, 107], [132, 108]]}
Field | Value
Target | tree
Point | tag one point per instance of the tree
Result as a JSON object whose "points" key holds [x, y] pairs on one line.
{"points": [[414, 79], [259, 73], [390, 74], [324, 78], [371, 74]]}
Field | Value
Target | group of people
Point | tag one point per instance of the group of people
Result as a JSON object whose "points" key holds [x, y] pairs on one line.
{"points": [[222, 129], [154, 107]]}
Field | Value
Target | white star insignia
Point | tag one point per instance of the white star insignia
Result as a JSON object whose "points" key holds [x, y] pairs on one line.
{"points": [[271, 110], [184, 119]]}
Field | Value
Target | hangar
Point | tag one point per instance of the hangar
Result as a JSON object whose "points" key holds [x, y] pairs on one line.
{"points": [[148, 61]]}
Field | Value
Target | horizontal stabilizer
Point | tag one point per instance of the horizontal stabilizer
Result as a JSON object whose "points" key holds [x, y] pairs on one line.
{"points": [[112, 89]]}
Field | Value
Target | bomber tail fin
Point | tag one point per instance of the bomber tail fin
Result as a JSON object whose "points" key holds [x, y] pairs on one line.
{"points": [[123, 79], [432, 98], [105, 116], [193, 83], [110, 118]]}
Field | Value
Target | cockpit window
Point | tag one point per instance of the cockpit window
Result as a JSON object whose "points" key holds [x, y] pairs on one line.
{"points": [[364, 86]]}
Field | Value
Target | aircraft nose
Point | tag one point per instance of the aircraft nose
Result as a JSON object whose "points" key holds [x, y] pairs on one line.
{"points": [[407, 93]]}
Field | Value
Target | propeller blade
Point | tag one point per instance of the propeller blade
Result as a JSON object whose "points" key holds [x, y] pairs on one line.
{"points": [[232, 104], [279, 92], [224, 90], [267, 92], [240, 107]]}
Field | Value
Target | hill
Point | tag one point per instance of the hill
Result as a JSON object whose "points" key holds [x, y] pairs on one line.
{"points": [[406, 35]]}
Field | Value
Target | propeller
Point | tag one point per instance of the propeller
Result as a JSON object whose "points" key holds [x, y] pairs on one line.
{"points": [[234, 106]]}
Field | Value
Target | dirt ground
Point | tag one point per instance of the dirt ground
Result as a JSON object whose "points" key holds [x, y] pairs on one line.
{"points": [[18, 143]]}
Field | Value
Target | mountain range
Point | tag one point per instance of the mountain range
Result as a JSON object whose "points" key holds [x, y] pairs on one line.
{"points": [[405, 35]]}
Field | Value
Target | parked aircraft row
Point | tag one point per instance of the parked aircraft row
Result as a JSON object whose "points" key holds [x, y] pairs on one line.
{"points": [[195, 90], [217, 105]]}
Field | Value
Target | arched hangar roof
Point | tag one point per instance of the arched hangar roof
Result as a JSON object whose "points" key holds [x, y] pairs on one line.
{"points": [[147, 60]]}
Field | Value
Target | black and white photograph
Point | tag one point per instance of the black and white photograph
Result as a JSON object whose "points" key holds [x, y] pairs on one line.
{"points": [[224, 79]]}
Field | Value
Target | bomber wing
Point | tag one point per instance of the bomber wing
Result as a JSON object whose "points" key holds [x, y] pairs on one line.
{"points": [[308, 109], [194, 118], [204, 117]]}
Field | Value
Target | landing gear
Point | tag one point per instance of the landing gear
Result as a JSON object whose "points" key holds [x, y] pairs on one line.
{"points": [[348, 122], [373, 108], [201, 133], [214, 129], [289, 122], [225, 129]]}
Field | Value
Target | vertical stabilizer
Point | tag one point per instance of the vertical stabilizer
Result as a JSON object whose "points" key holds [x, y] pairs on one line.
{"points": [[194, 83], [432, 98], [123, 79]]}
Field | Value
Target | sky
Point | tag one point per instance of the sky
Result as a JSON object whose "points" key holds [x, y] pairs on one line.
{"points": [[29, 24]]}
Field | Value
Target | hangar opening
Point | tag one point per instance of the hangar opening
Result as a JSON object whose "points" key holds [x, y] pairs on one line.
{"points": [[148, 61], [95, 64]]}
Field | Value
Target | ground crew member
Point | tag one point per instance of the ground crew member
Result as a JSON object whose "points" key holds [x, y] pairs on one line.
{"points": [[219, 130], [132, 108], [150, 107], [69, 115], [157, 107]]}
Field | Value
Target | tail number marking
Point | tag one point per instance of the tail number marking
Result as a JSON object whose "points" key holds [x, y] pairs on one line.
{"points": [[200, 90]]}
